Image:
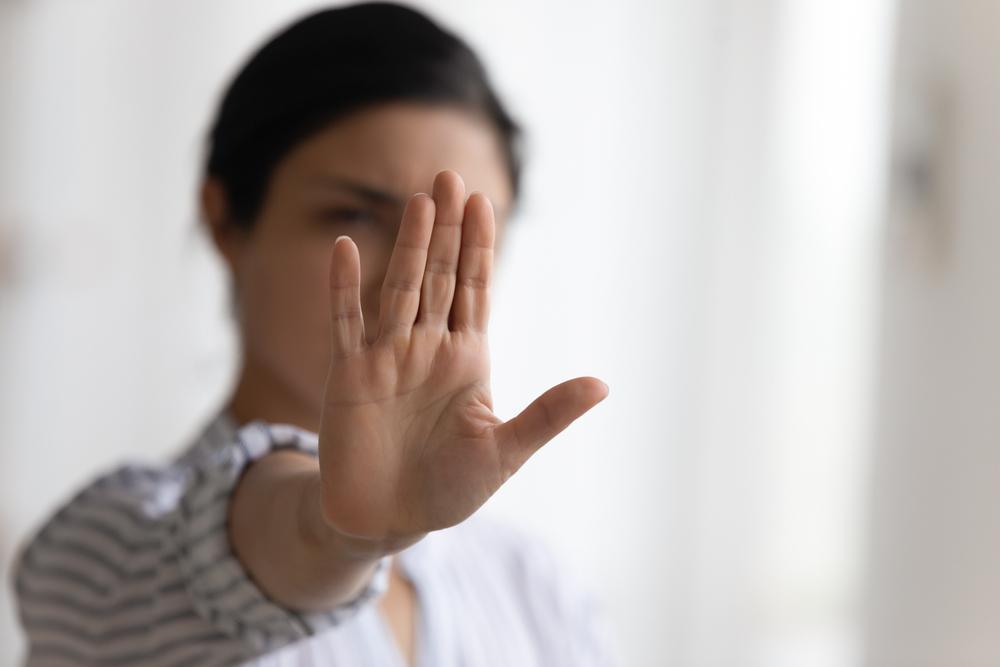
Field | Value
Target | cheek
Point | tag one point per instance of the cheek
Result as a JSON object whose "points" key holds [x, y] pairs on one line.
{"points": [[285, 304], [285, 300], [294, 284]]}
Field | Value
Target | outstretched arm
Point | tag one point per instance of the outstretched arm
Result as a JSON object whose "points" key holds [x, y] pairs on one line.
{"points": [[408, 439]]}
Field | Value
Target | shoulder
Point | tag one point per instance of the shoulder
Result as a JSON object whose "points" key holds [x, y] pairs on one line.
{"points": [[489, 555], [86, 579], [512, 558], [108, 537], [519, 571], [492, 541], [126, 502], [135, 507], [109, 521], [142, 553], [496, 542]]}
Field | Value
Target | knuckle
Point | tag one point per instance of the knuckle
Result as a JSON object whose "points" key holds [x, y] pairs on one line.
{"points": [[404, 284], [347, 314], [441, 266], [474, 282]]}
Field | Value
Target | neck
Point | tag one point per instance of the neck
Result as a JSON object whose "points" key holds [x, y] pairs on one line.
{"points": [[260, 395]]}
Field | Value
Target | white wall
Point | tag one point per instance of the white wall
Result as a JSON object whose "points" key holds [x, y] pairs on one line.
{"points": [[935, 535], [776, 472]]}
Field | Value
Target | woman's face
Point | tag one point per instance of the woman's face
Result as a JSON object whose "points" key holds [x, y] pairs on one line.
{"points": [[352, 178]]}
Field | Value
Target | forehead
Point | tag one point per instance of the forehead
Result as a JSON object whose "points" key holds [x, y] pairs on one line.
{"points": [[401, 146]]}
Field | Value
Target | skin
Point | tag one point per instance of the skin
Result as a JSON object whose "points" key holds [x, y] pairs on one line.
{"points": [[363, 313]]}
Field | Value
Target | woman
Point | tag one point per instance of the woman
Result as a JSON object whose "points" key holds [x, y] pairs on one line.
{"points": [[305, 525]]}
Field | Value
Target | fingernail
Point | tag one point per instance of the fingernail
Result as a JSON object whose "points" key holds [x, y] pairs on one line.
{"points": [[342, 236], [489, 202]]}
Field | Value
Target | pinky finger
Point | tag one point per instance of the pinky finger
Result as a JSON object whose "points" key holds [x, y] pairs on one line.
{"points": [[346, 321]]}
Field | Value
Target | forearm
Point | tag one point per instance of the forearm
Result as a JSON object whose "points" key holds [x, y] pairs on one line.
{"points": [[278, 532]]}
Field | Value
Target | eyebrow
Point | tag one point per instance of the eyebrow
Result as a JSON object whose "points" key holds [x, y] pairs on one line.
{"points": [[377, 196], [363, 190]]}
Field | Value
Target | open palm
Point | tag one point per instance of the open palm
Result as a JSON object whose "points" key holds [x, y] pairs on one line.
{"points": [[408, 439]]}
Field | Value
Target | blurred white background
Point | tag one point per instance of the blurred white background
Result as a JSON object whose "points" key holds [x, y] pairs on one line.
{"points": [[703, 228]]}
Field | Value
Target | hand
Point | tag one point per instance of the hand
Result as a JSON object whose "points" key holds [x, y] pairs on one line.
{"points": [[408, 439]]}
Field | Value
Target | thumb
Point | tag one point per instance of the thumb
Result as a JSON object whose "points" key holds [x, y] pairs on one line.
{"points": [[545, 418]]}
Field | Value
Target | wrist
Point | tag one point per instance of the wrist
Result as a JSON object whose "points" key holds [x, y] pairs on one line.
{"points": [[318, 532]]}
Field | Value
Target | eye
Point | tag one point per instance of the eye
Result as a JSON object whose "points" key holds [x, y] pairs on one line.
{"points": [[348, 215]]}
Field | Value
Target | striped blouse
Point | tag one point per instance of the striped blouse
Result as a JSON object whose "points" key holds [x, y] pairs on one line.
{"points": [[136, 569]]}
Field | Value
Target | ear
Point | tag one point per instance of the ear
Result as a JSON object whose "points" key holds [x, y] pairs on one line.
{"points": [[215, 214]]}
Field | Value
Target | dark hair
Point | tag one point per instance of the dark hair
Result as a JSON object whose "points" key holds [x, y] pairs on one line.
{"points": [[327, 65]]}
